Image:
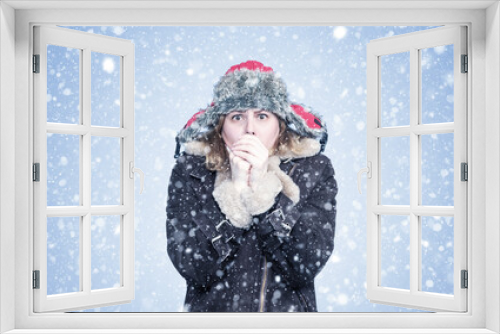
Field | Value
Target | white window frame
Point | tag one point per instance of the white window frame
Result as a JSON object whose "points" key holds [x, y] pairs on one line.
{"points": [[413, 43], [483, 125], [85, 43]]}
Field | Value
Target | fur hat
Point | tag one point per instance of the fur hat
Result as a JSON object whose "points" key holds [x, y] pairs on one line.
{"points": [[252, 85]]}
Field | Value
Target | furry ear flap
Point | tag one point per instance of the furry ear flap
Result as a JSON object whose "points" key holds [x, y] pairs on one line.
{"points": [[197, 148], [307, 147]]}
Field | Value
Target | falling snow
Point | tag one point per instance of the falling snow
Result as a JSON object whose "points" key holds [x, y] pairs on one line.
{"points": [[175, 70]]}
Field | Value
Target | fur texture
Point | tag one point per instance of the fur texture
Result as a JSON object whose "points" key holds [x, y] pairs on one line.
{"points": [[240, 90], [197, 148], [240, 206], [260, 197], [307, 147], [244, 89], [230, 203]]}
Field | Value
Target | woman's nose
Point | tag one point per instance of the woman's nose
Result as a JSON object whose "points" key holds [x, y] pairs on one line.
{"points": [[250, 126]]}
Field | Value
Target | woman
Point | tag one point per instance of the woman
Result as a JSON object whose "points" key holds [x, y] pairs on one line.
{"points": [[251, 201]]}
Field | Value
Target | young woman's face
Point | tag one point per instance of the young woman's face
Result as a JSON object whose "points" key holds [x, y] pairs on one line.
{"points": [[261, 123]]}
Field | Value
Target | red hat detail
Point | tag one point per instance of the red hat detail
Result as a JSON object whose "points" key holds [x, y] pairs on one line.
{"points": [[312, 121], [250, 65], [193, 118]]}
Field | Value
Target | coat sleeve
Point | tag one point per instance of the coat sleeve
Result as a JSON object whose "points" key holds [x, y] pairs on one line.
{"points": [[198, 248], [299, 239]]}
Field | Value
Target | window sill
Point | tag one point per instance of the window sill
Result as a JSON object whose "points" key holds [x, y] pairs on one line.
{"points": [[248, 331]]}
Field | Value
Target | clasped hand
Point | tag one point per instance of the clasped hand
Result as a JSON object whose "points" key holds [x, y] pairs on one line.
{"points": [[249, 159]]}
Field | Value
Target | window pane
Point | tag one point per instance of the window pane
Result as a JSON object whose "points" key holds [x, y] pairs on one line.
{"points": [[395, 89], [437, 169], [395, 252], [437, 84], [105, 241], [63, 169], [63, 84], [105, 89], [437, 254], [395, 171], [105, 170], [63, 255]]}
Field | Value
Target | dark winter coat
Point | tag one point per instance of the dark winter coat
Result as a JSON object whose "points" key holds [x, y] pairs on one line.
{"points": [[269, 266]]}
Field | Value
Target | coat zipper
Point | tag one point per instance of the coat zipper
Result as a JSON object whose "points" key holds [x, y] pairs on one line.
{"points": [[292, 170], [301, 296], [263, 287]]}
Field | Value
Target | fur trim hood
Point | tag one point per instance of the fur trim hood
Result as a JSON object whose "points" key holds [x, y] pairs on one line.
{"points": [[252, 85]]}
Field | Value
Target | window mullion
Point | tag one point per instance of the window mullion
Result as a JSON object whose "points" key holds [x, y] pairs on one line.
{"points": [[85, 273], [86, 164], [81, 177], [127, 156], [73, 129], [420, 129], [405, 210], [414, 172], [86, 107], [373, 184]]}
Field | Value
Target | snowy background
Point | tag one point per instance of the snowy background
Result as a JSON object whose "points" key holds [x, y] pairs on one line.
{"points": [[175, 70]]}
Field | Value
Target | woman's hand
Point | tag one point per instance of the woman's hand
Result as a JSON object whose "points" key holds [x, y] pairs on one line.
{"points": [[251, 150], [240, 170]]}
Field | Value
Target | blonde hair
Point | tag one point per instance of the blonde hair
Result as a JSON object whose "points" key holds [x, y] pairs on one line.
{"points": [[217, 158]]}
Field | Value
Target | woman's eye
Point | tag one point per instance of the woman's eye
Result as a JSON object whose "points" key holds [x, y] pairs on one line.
{"points": [[236, 117], [263, 116]]}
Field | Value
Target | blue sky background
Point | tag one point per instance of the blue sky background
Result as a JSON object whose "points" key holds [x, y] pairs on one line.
{"points": [[175, 70]]}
